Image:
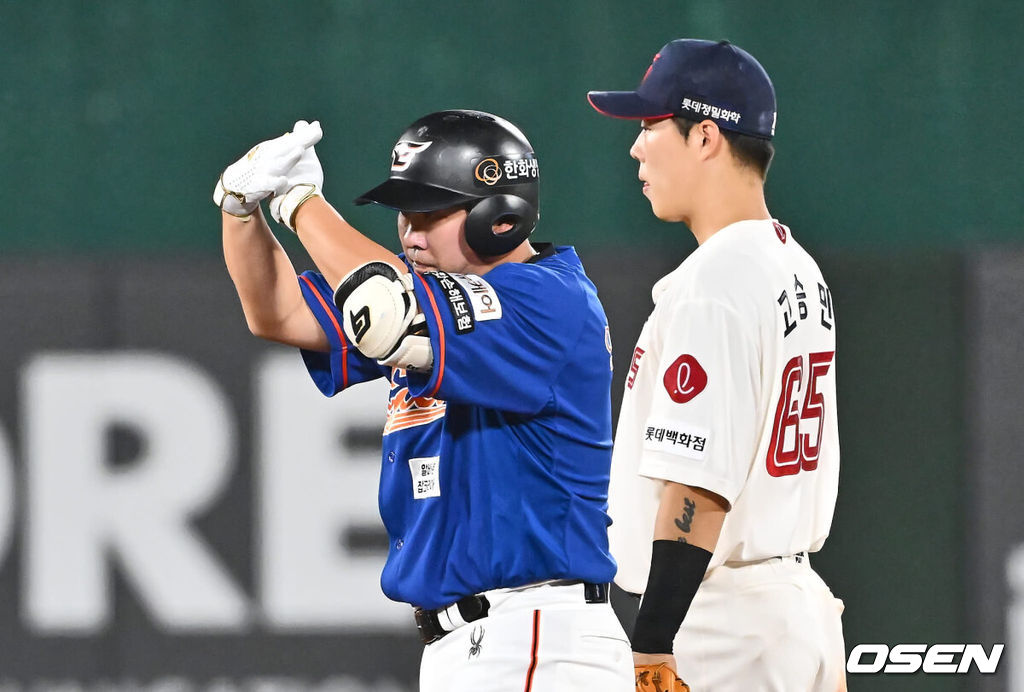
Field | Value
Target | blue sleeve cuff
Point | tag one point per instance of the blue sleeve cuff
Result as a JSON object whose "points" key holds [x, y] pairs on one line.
{"points": [[328, 370]]}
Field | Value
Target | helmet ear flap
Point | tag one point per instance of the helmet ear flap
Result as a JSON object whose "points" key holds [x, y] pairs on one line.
{"points": [[488, 212]]}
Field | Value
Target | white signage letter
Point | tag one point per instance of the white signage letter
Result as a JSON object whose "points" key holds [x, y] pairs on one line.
{"points": [[82, 512]]}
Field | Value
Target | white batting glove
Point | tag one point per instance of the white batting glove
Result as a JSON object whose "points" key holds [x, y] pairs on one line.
{"points": [[302, 182], [261, 172]]}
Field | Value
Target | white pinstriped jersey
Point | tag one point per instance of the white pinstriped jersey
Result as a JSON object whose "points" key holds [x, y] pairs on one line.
{"points": [[732, 389]]}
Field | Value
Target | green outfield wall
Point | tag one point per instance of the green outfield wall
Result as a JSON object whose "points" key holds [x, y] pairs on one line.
{"points": [[898, 122]]}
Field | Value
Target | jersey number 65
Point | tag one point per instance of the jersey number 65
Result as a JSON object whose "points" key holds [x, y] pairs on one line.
{"points": [[791, 450]]}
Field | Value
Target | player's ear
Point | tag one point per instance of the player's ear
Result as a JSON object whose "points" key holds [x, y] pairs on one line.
{"points": [[710, 137]]}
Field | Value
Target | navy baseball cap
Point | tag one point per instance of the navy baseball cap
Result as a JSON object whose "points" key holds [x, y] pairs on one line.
{"points": [[699, 80]]}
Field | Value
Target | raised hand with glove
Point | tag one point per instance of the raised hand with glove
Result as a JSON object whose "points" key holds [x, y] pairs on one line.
{"points": [[372, 283], [261, 270], [263, 171], [302, 182]]}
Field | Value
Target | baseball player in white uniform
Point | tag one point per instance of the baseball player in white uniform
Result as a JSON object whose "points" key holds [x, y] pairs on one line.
{"points": [[726, 461]]}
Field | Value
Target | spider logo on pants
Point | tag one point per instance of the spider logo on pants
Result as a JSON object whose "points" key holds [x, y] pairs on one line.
{"points": [[475, 639]]}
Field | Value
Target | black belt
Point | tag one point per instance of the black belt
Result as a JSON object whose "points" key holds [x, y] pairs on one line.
{"points": [[471, 608]]}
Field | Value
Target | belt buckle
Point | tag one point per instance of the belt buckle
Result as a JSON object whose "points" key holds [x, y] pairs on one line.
{"points": [[595, 593], [470, 609], [428, 625]]}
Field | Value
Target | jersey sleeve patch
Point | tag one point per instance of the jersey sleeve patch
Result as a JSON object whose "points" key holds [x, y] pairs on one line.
{"points": [[470, 299], [482, 296], [672, 437], [455, 297], [684, 379]]}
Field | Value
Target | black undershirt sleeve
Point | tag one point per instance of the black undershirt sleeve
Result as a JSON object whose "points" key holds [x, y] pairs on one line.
{"points": [[677, 570]]}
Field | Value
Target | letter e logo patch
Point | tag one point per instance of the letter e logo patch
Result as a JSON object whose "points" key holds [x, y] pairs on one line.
{"points": [[685, 379]]}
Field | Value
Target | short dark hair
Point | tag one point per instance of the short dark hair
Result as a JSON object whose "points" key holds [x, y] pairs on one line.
{"points": [[750, 151]]}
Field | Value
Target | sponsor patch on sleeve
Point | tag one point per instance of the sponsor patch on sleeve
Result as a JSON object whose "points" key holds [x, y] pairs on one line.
{"points": [[676, 438], [456, 300], [684, 379], [482, 296], [425, 480]]}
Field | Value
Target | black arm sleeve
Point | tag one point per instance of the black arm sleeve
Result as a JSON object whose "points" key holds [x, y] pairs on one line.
{"points": [[677, 570]]}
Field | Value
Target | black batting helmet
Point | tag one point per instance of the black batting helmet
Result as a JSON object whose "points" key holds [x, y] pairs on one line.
{"points": [[470, 158]]}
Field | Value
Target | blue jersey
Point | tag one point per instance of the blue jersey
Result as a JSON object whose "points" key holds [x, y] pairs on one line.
{"points": [[496, 461]]}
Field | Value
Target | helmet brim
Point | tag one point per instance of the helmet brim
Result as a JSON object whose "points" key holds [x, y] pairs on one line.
{"points": [[407, 195]]}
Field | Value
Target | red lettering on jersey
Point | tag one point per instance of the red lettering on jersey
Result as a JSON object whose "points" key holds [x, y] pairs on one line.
{"points": [[780, 231], [685, 379], [634, 367]]}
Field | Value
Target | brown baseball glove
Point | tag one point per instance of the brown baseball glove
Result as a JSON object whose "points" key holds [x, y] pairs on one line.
{"points": [[658, 678]]}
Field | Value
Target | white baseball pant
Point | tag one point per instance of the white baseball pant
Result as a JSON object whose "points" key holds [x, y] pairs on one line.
{"points": [[768, 626], [543, 638]]}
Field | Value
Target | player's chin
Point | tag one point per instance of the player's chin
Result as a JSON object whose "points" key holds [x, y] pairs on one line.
{"points": [[656, 208], [664, 212], [661, 212]]}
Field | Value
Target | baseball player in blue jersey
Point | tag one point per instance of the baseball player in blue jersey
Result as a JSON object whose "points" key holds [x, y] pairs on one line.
{"points": [[497, 446]]}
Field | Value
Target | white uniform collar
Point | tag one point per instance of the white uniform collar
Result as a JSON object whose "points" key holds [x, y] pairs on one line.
{"points": [[666, 281]]}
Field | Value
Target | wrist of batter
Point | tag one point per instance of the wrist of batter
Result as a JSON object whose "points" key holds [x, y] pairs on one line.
{"points": [[295, 198], [677, 570]]}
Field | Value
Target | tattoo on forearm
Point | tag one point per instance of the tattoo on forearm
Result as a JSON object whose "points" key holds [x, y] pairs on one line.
{"points": [[685, 521]]}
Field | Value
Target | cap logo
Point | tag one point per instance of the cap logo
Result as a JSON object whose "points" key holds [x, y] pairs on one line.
{"points": [[488, 172], [648, 72], [404, 152]]}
